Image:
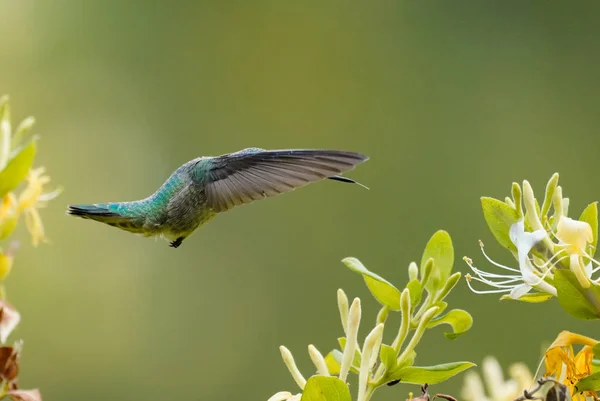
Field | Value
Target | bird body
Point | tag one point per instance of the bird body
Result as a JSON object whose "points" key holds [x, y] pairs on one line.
{"points": [[200, 189]]}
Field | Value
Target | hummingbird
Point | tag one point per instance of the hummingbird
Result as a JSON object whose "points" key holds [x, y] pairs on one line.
{"points": [[206, 186]]}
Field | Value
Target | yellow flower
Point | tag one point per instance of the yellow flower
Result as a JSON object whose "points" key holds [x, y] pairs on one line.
{"points": [[568, 368], [33, 198]]}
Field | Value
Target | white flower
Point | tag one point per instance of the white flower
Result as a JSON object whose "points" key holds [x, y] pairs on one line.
{"points": [[497, 388], [520, 281], [285, 396]]}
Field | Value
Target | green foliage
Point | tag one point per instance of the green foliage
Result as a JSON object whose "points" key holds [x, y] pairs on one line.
{"points": [[589, 383], [596, 350], [429, 374], [416, 291], [499, 217], [381, 289], [590, 216], [421, 305], [388, 356], [333, 361], [17, 168], [440, 249], [325, 388], [437, 281], [573, 298], [534, 298], [460, 321]]}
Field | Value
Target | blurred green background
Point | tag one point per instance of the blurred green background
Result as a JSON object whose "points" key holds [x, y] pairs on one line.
{"points": [[451, 99]]}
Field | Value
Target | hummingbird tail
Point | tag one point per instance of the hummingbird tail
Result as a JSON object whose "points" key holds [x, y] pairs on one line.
{"points": [[94, 212], [106, 213]]}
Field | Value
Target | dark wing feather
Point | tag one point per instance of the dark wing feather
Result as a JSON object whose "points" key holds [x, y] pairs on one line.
{"points": [[253, 174]]}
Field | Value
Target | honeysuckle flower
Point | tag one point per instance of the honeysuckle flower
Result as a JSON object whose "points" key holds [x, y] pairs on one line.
{"points": [[318, 360], [492, 380], [370, 352], [520, 281], [29, 201], [566, 366], [33, 198], [574, 237], [354, 315], [288, 359], [343, 307]]}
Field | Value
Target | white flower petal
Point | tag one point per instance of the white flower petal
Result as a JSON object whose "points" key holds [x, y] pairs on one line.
{"points": [[492, 373], [546, 287], [281, 396], [473, 388], [529, 275], [520, 290]]}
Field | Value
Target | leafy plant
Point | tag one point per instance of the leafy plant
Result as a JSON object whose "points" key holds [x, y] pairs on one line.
{"points": [[17, 154], [422, 306]]}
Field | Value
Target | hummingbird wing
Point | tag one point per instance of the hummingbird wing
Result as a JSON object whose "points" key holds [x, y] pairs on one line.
{"points": [[254, 174]]}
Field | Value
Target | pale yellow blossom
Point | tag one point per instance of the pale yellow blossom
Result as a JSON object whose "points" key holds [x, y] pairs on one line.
{"points": [[491, 385], [33, 198]]}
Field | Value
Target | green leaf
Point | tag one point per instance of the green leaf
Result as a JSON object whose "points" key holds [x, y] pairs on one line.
{"points": [[596, 350], [448, 285], [429, 374], [382, 290], [415, 291], [17, 168], [388, 357], [574, 299], [460, 321], [357, 356], [440, 249], [590, 216], [533, 298], [333, 360], [589, 383], [409, 360], [499, 217], [442, 305], [325, 388]]}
